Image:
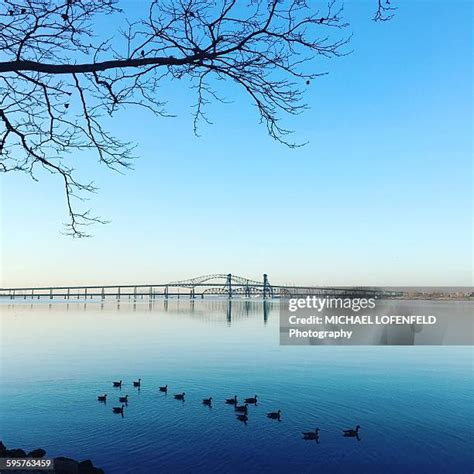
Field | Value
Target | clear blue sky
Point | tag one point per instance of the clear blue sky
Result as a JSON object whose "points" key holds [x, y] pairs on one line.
{"points": [[381, 195]]}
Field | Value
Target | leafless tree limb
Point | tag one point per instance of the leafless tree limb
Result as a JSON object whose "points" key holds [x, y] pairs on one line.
{"points": [[59, 78], [385, 11]]}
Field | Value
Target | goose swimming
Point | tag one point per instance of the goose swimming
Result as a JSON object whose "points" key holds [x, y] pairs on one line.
{"points": [[232, 401], [274, 415], [252, 400], [311, 434], [242, 408], [351, 433]]}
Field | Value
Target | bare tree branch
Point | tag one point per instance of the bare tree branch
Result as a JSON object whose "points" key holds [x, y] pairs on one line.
{"points": [[59, 78], [385, 11]]}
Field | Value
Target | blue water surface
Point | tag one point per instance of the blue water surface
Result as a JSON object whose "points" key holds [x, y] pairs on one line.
{"points": [[414, 403]]}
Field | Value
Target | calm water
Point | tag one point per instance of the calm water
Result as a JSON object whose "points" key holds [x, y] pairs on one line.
{"points": [[415, 404]]}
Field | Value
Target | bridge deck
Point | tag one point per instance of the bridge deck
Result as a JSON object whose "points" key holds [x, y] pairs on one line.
{"points": [[216, 284]]}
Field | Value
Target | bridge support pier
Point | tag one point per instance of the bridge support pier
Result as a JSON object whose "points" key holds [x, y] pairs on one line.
{"points": [[266, 286], [229, 285]]}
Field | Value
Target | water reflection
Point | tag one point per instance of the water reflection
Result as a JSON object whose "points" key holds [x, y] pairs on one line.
{"points": [[57, 358], [240, 309], [225, 306]]}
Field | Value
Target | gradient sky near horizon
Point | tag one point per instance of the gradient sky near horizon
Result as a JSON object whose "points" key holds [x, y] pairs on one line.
{"points": [[381, 195]]}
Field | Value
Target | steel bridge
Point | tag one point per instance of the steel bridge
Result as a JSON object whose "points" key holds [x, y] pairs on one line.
{"points": [[218, 284]]}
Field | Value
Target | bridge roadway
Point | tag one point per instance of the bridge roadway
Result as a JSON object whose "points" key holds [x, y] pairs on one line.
{"points": [[226, 285]]}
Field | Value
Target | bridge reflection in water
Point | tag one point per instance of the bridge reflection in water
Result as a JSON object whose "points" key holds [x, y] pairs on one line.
{"points": [[217, 285], [216, 310]]}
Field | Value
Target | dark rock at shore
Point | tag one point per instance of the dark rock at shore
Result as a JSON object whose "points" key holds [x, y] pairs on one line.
{"points": [[86, 467], [69, 466], [62, 465], [15, 453], [37, 453]]}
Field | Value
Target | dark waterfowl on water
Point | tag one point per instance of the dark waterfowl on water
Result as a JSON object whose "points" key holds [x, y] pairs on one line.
{"points": [[242, 408], [207, 401], [138, 383], [352, 433], [102, 398], [124, 399], [232, 401], [179, 396], [243, 418], [118, 384], [274, 415], [164, 389], [252, 400], [118, 409], [311, 434]]}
